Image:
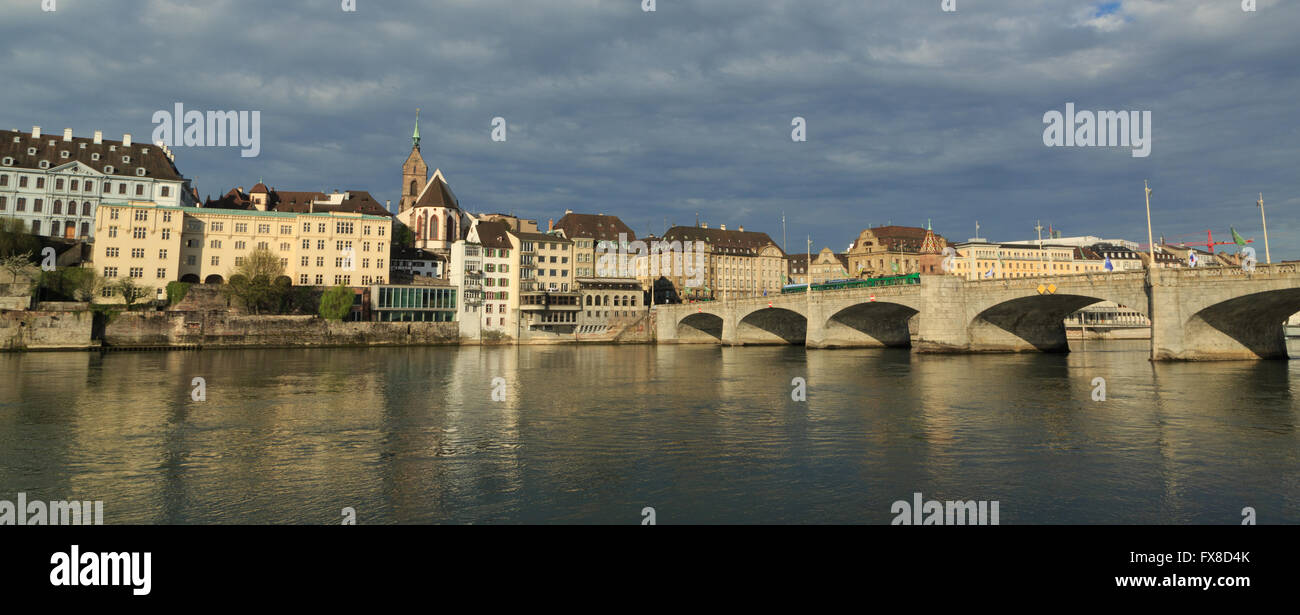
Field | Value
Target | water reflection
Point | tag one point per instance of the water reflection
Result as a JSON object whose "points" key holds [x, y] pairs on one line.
{"points": [[594, 433]]}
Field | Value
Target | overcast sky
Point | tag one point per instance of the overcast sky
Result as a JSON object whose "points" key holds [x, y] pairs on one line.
{"points": [[912, 113]]}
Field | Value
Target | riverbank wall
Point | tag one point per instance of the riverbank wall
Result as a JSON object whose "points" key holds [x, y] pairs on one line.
{"points": [[46, 330]]}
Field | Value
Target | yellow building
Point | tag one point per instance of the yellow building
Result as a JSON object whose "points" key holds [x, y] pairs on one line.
{"points": [[982, 260], [737, 264], [155, 245]]}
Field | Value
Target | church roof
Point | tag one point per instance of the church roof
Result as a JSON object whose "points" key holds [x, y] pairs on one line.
{"points": [[437, 194]]}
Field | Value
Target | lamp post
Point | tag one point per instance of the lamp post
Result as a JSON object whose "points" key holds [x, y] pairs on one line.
{"points": [[1151, 244], [1268, 258]]}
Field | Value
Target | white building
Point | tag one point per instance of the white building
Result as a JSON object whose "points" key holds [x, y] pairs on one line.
{"points": [[54, 184]]}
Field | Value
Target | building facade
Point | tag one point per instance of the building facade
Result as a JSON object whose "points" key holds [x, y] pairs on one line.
{"points": [[736, 264], [587, 231], [983, 260], [54, 185], [895, 250], [156, 244]]}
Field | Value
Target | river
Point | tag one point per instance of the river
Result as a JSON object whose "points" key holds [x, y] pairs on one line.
{"points": [[594, 434]]}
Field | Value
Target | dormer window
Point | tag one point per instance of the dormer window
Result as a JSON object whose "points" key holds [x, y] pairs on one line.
{"points": [[31, 151], [139, 171], [44, 164], [112, 148], [108, 169], [63, 154], [18, 139], [7, 161], [94, 156], [126, 160], [83, 146]]}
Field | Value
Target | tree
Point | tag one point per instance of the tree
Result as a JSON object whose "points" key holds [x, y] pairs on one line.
{"points": [[402, 236], [129, 291], [14, 238], [336, 303], [259, 282], [17, 265]]}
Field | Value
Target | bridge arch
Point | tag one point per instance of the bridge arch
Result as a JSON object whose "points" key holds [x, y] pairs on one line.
{"points": [[1247, 326], [771, 325], [1032, 322], [700, 327], [869, 324]]}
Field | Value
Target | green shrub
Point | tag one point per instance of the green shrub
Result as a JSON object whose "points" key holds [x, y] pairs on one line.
{"points": [[176, 292], [336, 303]]}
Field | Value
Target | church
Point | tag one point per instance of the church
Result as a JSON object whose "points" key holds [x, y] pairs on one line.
{"points": [[428, 206]]}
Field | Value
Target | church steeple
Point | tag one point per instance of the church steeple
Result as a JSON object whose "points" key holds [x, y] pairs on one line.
{"points": [[415, 138], [415, 172]]}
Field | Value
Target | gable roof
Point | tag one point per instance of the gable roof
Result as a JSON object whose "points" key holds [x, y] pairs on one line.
{"points": [[437, 193], [493, 235], [156, 163], [356, 201], [594, 226], [733, 242]]}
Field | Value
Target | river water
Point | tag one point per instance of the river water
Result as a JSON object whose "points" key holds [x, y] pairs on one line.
{"points": [[702, 434]]}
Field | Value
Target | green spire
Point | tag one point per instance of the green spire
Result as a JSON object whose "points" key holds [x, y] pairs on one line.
{"points": [[927, 225], [415, 138]]}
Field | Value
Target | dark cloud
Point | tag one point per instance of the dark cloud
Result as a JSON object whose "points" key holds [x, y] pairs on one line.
{"points": [[912, 113]]}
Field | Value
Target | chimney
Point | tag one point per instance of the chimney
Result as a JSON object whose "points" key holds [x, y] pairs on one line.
{"points": [[704, 225], [722, 227], [67, 134], [550, 224], [741, 229], [568, 211], [36, 132], [99, 137], [388, 205], [126, 140]]}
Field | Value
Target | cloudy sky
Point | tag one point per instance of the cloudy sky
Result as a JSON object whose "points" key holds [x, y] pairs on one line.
{"points": [[912, 113]]}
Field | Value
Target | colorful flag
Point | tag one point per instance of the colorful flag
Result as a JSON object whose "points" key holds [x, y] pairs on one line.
{"points": [[989, 273], [1109, 265], [1237, 239]]}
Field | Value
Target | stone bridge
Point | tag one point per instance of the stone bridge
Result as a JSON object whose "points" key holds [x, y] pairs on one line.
{"points": [[1207, 313]]}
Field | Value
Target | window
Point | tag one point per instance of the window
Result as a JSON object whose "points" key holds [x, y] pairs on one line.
{"points": [[264, 229], [285, 229], [138, 232], [167, 216], [162, 273], [111, 252], [22, 181], [343, 228], [240, 227], [284, 246], [320, 228], [262, 245], [58, 184], [320, 279], [191, 260], [121, 188], [75, 185], [110, 272], [304, 261], [215, 243], [217, 226], [112, 231], [381, 231], [85, 208], [166, 191], [4, 203], [320, 244], [162, 255], [216, 260], [239, 245], [166, 233], [143, 216], [38, 204], [306, 244], [40, 181], [139, 189], [320, 261], [137, 272], [239, 261], [137, 252], [302, 278], [22, 204], [306, 227], [4, 180]]}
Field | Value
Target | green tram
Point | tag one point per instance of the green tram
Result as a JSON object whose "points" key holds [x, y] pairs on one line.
{"points": [[893, 280]]}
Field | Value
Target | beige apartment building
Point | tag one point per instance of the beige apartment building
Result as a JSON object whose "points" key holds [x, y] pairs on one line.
{"points": [[737, 264], [587, 231], [157, 244], [978, 260]]}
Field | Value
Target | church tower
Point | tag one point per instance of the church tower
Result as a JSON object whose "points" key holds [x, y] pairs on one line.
{"points": [[414, 171]]}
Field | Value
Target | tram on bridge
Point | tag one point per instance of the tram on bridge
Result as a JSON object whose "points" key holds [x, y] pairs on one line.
{"points": [[893, 280]]}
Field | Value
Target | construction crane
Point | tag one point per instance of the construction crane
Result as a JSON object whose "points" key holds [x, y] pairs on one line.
{"points": [[1209, 243]]}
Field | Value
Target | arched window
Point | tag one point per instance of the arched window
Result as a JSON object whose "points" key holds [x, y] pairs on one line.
{"points": [[58, 206], [413, 188], [419, 226], [433, 227], [588, 299], [452, 233], [606, 299], [85, 208]]}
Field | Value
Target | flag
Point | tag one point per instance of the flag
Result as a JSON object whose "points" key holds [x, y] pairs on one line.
{"points": [[989, 273], [1237, 239], [1109, 265]]}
